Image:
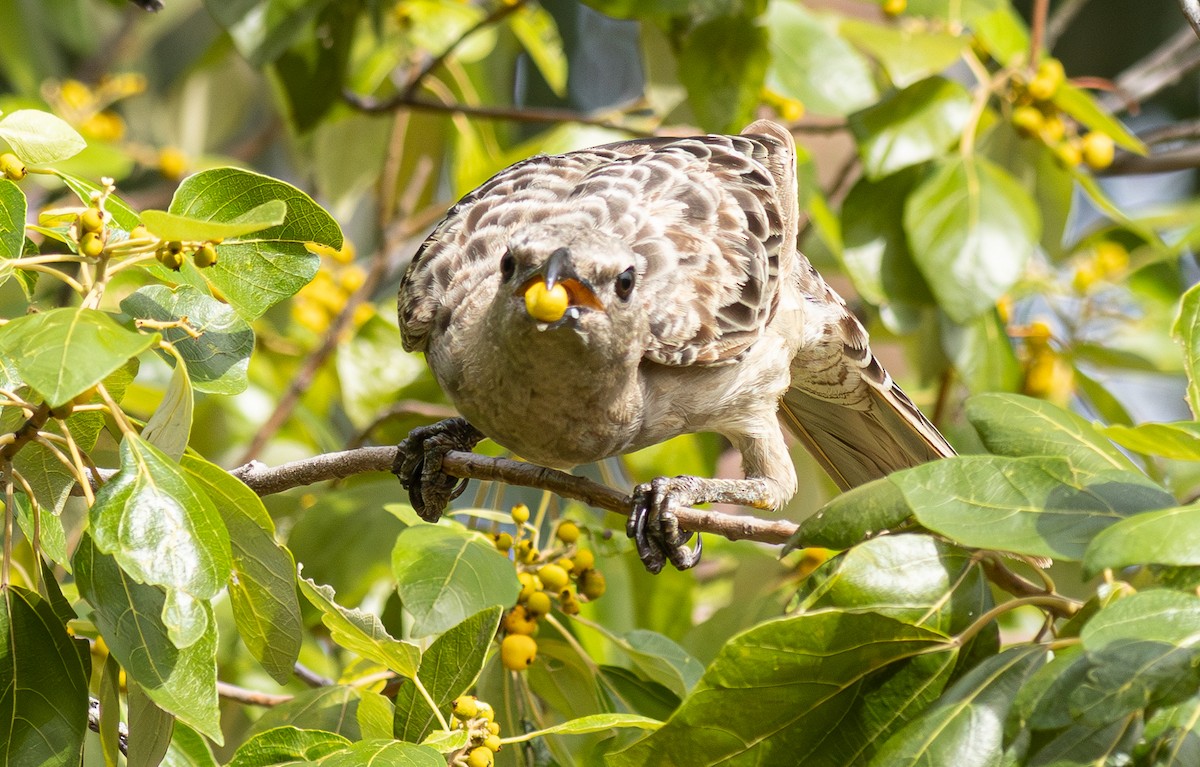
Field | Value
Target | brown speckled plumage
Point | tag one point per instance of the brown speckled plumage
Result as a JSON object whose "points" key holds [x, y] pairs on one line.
{"points": [[728, 328]]}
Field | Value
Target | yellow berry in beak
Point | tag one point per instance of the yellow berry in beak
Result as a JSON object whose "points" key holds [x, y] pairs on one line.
{"points": [[546, 304]]}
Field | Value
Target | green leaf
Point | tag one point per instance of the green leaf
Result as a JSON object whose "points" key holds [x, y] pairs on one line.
{"points": [[775, 693], [374, 370], [1003, 34], [255, 271], [123, 214], [361, 632], [1018, 426], [722, 63], [982, 352], [1040, 506], [445, 575], [182, 682], [1186, 330], [150, 729], [43, 685], [812, 63], [1083, 745], [384, 753], [971, 229], [311, 73], [1167, 537], [1142, 652], [62, 353], [262, 585], [13, 207], [448, 669], [966, 727], [110, 711], [875, 251], [592, 723], [287, 745], [1080, 105], [658, 658], [48, 533], [218, 359], [916, 579], [1174, 735], [1178, 441], [340, 709], [147, 508], [850, 517], [907, 54], [169, 226], [538, 33], [39, 137], [170, 424], [188, 749], [912, 126]]}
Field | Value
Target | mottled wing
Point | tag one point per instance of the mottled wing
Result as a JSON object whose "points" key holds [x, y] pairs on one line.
{"points": [[707, 218]]}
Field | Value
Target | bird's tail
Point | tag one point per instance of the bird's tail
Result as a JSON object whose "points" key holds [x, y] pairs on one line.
{"points": [[854, 445]]}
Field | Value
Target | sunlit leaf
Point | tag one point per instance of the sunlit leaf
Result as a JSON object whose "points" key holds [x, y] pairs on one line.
{"points": [[361, 632], [39, 137], [916, 124], [170, 226], [812, 63]]}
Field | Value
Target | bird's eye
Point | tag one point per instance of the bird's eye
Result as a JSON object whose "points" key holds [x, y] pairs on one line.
{"points": [[508, 265], [625, 284]]}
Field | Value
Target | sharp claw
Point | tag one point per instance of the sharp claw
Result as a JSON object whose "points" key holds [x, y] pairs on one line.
{"points": [[655, 530], [458, 490], [684, 558]]}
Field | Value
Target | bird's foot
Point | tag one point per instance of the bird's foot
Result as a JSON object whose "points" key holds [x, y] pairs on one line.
{"points": [[654, 527], [419, 464]]}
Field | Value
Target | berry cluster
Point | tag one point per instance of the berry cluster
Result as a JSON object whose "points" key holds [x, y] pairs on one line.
{"points": [[1035, 115], [171, 253], [322, 300], [565, 572], [478, 719]]}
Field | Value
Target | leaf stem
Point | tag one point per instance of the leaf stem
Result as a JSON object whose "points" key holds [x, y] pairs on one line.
{"points": [[1052, 601], [429, 700]]}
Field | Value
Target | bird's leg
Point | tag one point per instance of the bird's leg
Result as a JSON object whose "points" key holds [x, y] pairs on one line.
{"points": [[654, 527], [419, 464]]}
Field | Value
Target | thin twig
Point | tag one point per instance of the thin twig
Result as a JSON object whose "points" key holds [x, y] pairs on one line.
{"points": [[1037, 32], [1159, 69], [250, 697], [1062, 17], [1191, 12], [310, 677], [497, 14], [265, 480]]}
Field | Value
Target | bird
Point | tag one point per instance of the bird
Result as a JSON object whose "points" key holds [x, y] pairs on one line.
{"points": [[584, 305]]}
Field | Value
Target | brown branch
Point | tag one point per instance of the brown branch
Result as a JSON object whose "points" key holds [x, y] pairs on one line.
{"points": [[415, 81], [1062, 17], [25, 432], [1128, 163], [250, 697], [265, 480], [1159, 69], [1191, 12], [1037, 32]]}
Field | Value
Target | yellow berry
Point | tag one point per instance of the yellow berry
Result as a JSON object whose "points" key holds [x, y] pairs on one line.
{"points": [[481, 756], [791, 110], [503, 541], [584, 560], [1086, 275], [894, 7], [485, 710], [493, 728], [1111, 258], [520, 513], [538, 604], [1098, 150], [529, 584], [517, 621], [172, 163], [1049, 77], [465, 706], [568, 532], [1028, 120], [492, 743], [91, 220], [553, 577], [518, 651], [546, 304], [91, 244], [565, 563], [1069, 154], [170, 257], [140, 232], [12, 167], [526, 553], [1053, 129], [206, 256], [592, 584], [569, 606]]}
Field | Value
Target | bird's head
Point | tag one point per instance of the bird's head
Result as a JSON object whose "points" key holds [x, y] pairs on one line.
{"points": [[569, 278]]}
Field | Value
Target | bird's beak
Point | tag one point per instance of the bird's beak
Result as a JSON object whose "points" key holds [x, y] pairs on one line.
{"points": [[555, 288]]}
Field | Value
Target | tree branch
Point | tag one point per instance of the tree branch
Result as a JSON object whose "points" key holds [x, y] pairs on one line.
{"points": [[1159, 69], [1191, 12], [265, 480]]}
